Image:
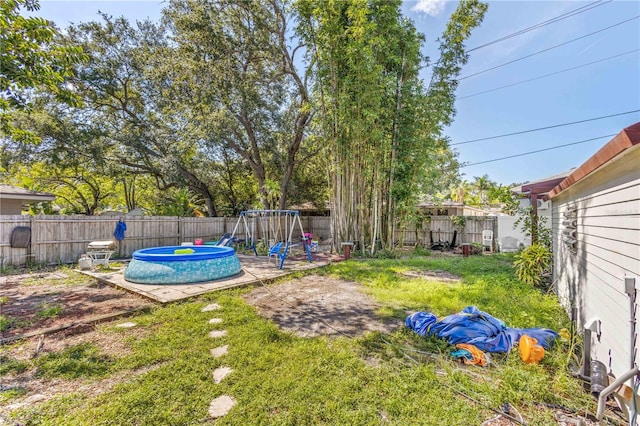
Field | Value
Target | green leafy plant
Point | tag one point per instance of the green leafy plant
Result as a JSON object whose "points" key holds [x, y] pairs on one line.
{"points": [[420, 250], [458, 221], [477, 248], [385, 254], [532, 263], [84, 360], [47, 310], [5, 323]]}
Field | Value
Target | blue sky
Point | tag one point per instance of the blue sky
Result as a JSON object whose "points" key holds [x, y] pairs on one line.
{"points": [[605, 88]]}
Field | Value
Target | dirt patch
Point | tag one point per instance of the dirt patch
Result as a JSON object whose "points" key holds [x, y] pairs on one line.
{"points": [[41, 390], [441, 276], [316, 305], [34, 303]]}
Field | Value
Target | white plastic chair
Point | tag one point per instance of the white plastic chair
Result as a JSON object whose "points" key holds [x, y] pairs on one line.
{"points": [[487, 239]]}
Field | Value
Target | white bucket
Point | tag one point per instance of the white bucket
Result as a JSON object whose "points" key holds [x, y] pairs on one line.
{"points": [[85, 263]]}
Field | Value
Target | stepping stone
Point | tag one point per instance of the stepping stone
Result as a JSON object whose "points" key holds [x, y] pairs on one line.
{"points": [[219, 351], [211, 307], [127, 325], [220, 373], [217, 333], [215, 320], [221, 406]]}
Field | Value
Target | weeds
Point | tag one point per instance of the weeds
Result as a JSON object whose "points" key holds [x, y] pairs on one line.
{"points": [[47, 310]]}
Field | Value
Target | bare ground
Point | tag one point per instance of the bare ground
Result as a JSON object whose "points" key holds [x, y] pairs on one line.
{"points": [[36, 302], [316, 305]]}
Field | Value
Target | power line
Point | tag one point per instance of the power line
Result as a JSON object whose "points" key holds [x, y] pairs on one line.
{"points": [[539, 150], [548, 75], [549, 48], [558, 18], [544, 128]]}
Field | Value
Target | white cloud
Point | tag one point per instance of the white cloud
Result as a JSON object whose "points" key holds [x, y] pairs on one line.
{"points": [[430, 7]]}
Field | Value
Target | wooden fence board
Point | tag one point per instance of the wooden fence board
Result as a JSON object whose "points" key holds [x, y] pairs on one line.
{"points": [[62, 239]]}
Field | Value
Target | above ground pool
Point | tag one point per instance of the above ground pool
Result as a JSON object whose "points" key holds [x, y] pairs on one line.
{"points": [[182, 264]]}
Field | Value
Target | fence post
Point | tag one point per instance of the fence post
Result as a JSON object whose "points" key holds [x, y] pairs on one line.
{"points": [[30, 252], [180, 230]]}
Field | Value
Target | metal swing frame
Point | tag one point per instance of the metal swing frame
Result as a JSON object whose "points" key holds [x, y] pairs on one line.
{"points": [[292, 219]]}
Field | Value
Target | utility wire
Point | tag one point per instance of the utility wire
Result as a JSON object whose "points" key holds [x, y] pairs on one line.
{"points": [[544, 128], [558, 18], [548, 75], [549, 48], [539, 150]]}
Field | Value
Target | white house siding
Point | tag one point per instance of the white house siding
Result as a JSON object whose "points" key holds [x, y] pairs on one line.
{"points": [[591, 279]]}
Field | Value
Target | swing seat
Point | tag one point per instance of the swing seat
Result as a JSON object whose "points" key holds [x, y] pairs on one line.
{"points": [[275, 251]]}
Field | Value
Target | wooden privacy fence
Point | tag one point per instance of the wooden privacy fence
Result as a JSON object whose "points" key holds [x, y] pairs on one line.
{"points": [[62, 239], [441, 228]]}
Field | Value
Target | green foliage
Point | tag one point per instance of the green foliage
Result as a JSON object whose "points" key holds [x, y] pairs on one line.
{"points": [[477, 248], [381, 125], [420, 250], [482, 192], [6, 323], [458, 221], [11, 393], [47, 310], [386, 254], [9, 365], [84, 360], [531, 225], [31, 58], [532, 263]]}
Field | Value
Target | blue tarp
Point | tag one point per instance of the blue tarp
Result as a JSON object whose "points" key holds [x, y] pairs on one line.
{"points": [[119, 231], [477, 328]]}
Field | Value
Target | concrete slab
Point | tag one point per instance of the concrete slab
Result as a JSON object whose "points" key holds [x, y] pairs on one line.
{"points": [[221, 406], [220, 373], [211, 307], [254, 270], [217, 333], [219, 351]]}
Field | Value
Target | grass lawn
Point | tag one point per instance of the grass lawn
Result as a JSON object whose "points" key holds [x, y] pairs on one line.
{"points": [[282, 379]]}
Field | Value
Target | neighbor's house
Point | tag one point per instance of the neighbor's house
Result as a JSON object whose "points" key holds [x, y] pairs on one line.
{"points": [[531, 194], [451, 208], [14, 199], [596, 245]]}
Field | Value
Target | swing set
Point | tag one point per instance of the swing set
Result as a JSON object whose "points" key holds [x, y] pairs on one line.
{"points": [[275, 228]]}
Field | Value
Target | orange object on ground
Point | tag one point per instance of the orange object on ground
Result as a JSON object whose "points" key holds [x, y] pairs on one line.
{"points": [[478, 355], [530, 351]]}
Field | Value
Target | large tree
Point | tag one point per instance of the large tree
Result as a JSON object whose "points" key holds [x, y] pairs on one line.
{"points": [[234, 62], [382, 126], [30, 58]]}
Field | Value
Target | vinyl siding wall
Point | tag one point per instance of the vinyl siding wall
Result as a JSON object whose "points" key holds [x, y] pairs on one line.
{"points": [[591, 277]]}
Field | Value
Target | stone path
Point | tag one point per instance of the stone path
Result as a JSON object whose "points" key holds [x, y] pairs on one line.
{"points": [[221, 405]]}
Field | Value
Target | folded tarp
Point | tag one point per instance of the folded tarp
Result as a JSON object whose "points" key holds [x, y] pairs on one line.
{"points": [[477, 328]]}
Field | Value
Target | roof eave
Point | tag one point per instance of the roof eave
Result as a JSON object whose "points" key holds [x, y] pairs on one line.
{"points": [[623, 141], [28, 198]]}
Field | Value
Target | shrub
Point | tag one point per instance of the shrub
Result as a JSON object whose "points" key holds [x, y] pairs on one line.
{"points": [[420, 250], [532, 262], [385, 254]]}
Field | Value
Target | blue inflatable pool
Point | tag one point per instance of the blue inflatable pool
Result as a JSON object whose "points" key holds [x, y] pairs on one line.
{"points": [[182, 264]]}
